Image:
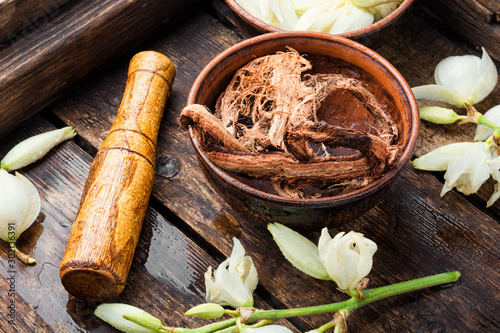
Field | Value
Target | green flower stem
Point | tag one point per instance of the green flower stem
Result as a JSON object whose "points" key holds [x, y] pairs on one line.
{"points": [[228, 323], [369, 296], [324, 327], [476, 117]]}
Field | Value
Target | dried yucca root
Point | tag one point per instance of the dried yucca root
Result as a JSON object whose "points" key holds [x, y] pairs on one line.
{"points": [[265, 126]]}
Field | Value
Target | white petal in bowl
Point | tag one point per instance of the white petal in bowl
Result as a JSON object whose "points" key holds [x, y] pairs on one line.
{"points": [[284, 14], [482, 131], [301, 6], [352, 18], [319, 18]]}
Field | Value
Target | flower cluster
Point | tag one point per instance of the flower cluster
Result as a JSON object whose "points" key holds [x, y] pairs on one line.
{"points": [[463, 81], [346, 259], [329, 16]]}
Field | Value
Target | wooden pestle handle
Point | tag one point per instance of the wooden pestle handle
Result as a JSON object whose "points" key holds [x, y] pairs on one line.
{"points": [[104, 235]]}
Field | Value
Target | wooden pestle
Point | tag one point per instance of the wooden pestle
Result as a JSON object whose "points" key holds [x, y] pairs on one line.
{"points": [[104, 235]]}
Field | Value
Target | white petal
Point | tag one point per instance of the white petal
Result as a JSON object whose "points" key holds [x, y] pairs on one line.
{"points": [[496, 194], [438, 159], [275, 7], [473, 78], [352, 19], [367, 249], [301, 6], [34, 148], [298, 250], [486, 80], [289, 15], [480, 171], [212, 293], [267, 329], [467, 169], [461, 162], [318, 18], [31, 202], [437, 93], [383, 10], [482, 131], [19, 205], [112, 314], [11, 206]]}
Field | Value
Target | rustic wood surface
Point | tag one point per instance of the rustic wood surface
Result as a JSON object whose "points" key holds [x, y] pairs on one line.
{"points": [[188, 227], [477, 21], [48, 57], [20, 17]]}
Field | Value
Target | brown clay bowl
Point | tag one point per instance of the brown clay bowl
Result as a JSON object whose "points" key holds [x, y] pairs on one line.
{"points": [[260, 206], [372, 36]]}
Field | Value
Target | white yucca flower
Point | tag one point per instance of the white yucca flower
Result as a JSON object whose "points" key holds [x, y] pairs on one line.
{"points": [[19, 208], [234, 281], [461, 79], [347, 258], [467, 164]]}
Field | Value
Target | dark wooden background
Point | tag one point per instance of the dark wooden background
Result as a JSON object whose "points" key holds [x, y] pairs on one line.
{"points": [[188, 227]]}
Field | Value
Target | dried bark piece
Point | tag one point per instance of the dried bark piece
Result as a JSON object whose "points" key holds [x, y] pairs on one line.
{"points": [[200, 117], [373, 148], [282, 166]]}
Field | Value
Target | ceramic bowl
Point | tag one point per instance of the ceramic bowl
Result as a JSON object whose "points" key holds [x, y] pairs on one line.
{"points": [[263, 207], [372, 36]]}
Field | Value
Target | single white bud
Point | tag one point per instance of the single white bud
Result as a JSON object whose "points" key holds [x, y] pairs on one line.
{"points": [[438, 115], [34, 148], [298, 250], [206, 311], [113, 313]]}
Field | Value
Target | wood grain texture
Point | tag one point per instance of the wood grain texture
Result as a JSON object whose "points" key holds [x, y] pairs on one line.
{"points": [[20, 17], [418, 232], [83, 36], [477, 21]]}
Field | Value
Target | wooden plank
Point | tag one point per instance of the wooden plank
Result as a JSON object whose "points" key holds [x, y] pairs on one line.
{"points": [[417, 232], [470, 19], [83, 36], [20, 17]]}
